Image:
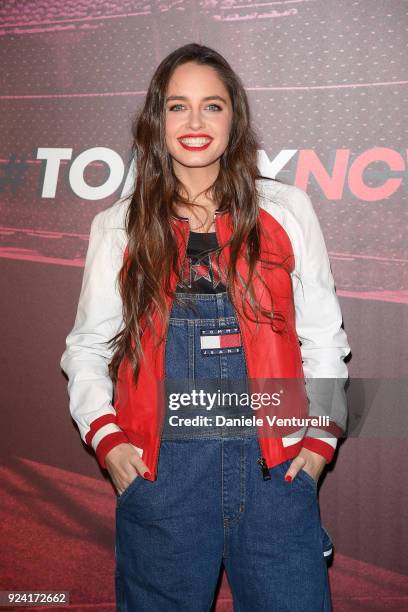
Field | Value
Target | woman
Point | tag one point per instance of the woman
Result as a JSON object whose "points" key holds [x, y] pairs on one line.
{"points": [[205, 279]]}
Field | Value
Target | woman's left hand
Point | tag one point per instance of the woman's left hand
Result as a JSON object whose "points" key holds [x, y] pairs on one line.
{"points": [[311, 462]]}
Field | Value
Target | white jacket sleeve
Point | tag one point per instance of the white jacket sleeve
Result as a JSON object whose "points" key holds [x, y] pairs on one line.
{"points": [[98, 318], [324, 343]]}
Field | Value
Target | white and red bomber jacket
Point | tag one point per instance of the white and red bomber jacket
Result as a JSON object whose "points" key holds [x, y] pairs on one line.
{"points": [[314, 346]]}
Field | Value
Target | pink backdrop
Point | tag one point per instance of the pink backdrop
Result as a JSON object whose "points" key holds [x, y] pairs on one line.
{"points": [[327, 83]]}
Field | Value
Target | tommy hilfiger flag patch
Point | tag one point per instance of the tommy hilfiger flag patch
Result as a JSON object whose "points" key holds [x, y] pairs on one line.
{"points": [[220, 340]]}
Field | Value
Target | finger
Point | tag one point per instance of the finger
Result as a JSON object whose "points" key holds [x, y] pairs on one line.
{"points": [[296, 465], [118, 477], [140, 466], [123, 476], [123, 483], [119, 487]]}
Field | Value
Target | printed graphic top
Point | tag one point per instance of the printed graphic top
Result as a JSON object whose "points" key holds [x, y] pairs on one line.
{"points": [[200, 270]]}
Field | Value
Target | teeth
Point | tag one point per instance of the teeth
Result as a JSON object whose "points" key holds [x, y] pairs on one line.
{"points": [[195, 142]]}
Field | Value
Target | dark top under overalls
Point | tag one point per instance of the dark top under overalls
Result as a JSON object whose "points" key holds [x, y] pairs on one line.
{"points": [[204, 353]]}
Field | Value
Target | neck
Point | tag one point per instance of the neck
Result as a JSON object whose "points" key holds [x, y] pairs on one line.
{"points": [[196, 180]]}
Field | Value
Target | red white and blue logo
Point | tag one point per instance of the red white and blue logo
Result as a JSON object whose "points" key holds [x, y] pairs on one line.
{"points": [[220, 340]]}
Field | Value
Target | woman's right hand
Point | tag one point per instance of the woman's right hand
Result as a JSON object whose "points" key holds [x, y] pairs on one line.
{"points": [[124, 464]]}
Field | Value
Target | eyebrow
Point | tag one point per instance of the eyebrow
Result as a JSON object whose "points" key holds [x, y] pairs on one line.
{"points": [[204, 99]]}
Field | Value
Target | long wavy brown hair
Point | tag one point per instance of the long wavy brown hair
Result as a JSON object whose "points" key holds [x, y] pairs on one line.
{"points": [[152, 246]]}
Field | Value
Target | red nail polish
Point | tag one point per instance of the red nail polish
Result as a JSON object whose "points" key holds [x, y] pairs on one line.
{"points": [[146, 475], [288, 478]]}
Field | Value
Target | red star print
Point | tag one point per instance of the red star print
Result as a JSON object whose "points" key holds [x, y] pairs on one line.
{"points": [[216, 271], [201, 271], [185, 274]]}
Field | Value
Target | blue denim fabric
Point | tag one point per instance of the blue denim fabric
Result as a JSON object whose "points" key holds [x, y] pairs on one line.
{"points": [[190, 367], [210, 506]]}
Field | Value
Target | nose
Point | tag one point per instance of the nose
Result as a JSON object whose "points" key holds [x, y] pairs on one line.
{"points": [[195, 119]]}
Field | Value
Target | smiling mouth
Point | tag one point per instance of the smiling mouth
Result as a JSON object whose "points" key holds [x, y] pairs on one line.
{"points": [[195, 143]]}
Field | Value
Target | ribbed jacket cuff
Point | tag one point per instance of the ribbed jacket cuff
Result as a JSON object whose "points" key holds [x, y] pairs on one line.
{"points": [[107, 443], [103, 435], [320, 446]]}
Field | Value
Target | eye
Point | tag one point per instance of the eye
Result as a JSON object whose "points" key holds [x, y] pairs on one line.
{"points": [[175, 106]]}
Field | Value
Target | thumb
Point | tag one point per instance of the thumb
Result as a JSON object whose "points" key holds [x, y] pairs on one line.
{"points": [[296, 465], [136, 460]]}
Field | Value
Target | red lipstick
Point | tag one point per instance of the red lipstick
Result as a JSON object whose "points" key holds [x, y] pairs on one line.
{"points": [[190, 147]]}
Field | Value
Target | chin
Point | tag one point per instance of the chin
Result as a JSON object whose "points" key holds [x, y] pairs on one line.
{"points": [[197, 162]]}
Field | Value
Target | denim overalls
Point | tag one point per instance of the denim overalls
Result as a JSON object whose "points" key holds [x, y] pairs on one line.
{"points": [[210, 504]]}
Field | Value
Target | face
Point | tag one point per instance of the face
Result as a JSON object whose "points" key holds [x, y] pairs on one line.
{"points": [[198, 116]]}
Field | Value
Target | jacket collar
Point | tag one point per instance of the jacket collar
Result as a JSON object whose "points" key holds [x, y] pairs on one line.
{"points": [[216, 212]]}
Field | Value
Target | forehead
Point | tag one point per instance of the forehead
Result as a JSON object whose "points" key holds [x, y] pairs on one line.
{"points": [[195, 80]]}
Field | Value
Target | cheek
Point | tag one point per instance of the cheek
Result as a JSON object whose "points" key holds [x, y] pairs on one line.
{"points": [[222, 125], [171, 125]]}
